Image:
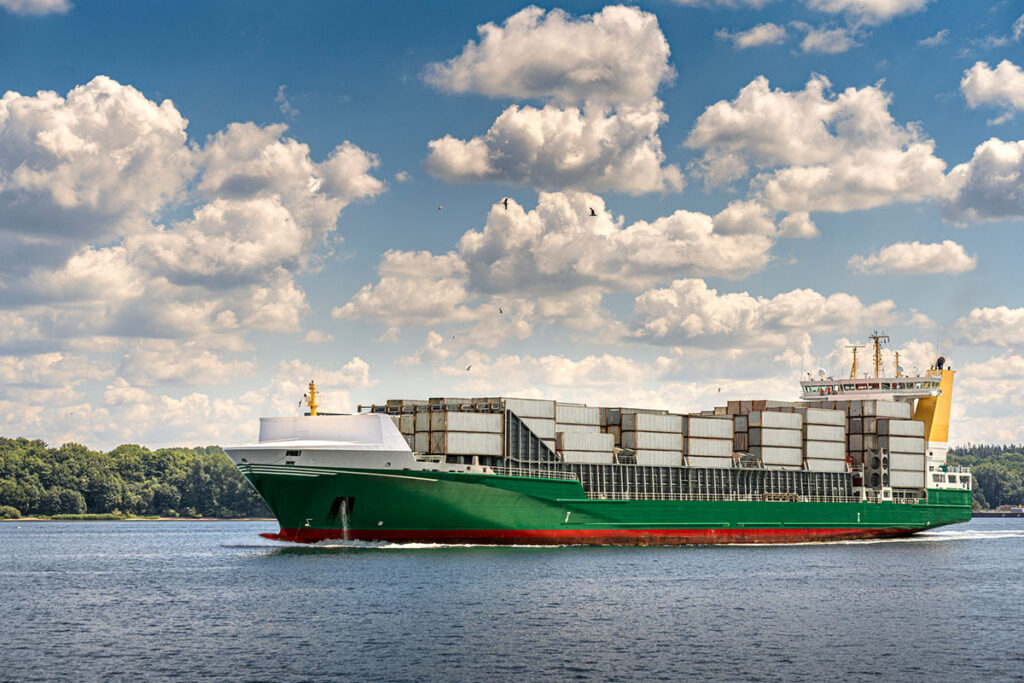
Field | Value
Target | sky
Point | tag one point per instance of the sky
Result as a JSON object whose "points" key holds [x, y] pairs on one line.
{"points": [[206, 205]]}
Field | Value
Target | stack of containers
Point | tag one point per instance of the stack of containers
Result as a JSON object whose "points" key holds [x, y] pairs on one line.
{"points": [[740, 438], [611, 423], [863, 424], [657, 439], [538, 416], [576, 417], [407, 426], [904, 439], [777, 438], [421, 436], [824, 439], [465, 433], [708, 440], [585, 447]]}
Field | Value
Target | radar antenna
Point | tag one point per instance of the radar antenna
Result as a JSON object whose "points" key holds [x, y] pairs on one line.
{"points": [[877, 340]]}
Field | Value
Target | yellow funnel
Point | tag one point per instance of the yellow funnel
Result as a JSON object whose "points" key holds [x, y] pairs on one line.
{"points": [[934, 411]]}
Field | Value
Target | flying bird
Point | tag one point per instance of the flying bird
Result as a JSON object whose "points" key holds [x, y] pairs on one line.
{"points": [[439, 207], [468, 367], [505, 202], [592, 212], [501, 311]]}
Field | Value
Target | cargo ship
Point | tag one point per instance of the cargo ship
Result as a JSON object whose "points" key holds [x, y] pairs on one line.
{"points": [[852, 458]]}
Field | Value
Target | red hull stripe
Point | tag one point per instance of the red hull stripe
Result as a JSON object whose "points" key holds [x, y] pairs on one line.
{"points": [[587, 536]]}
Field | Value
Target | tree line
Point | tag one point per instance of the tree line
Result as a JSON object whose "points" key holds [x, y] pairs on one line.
{"points": [[998, 473], [36, 479]]}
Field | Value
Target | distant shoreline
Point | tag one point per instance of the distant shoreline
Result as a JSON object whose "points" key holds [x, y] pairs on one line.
{"points": [[145, 519]]}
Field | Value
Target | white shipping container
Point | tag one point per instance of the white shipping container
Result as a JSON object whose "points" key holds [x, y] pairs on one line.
{"points": [[705, 461], [611, 416], [816, 465], [739, 423], [902, 444], [855, 442], [775, 455], [910, 462], [411, 440], [550, 443], [774, 405], [456, 421], [883, 408], [422, 421], [716, 448], [890, 427], [662, 441], [659, 458], [577, 414], [824, 433], [651, 422], [544, 429], [824, 450], [906, 480], [822, 416], [588, 457], [407, 424], [708, 427], [577, 429], [466, 443], [765, 436], [531, 407], [421, 442], [577, 441], [855, 425], [774, 419]]}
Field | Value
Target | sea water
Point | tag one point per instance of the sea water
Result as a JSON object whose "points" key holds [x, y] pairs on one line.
{"points": [[213, 600]]}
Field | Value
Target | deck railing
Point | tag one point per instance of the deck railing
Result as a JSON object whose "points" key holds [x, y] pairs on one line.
{"points": [[750, 497], [537, 474]]}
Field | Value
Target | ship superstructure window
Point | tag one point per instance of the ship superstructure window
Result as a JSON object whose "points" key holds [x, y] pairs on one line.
{"points": [[292, 454]]}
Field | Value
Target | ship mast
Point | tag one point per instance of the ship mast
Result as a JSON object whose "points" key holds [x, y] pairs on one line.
{"points": [[310, 399], [853, 370], [877, 340], [899, 370]]}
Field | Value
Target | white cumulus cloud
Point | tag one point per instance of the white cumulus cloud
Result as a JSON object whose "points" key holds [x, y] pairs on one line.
{"points": [[762, 34], [1001, 87], [914, 257], [989, 187], [36, 7]]}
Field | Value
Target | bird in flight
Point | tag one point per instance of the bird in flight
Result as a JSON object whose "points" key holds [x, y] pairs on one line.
{"points": [[592, 212], [501, 311], [439, 207], [468, 367], [505, 203]]}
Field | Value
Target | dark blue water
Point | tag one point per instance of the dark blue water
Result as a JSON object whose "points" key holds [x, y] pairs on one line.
{"points": [[212, 600]]}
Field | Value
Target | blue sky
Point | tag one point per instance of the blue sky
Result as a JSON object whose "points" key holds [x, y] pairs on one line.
{"points": [[205, 205]]}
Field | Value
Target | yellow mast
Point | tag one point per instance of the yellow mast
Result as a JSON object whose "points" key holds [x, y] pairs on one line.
{"points": [[310, 399], [853, 370], [876, 340], [899, 373]]}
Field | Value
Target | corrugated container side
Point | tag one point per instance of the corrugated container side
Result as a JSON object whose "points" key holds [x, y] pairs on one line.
{"points": [[616, 431], [718, 448], [588, 457], [544, 429], [902, 444], [531, 407], [407, 424], [577, 429], [577, 414], [662, 441], [880, 408], [577, 441], [893, 427], [775, 419], [815, 465], [721, 410], [855, 409], [422, 421], [650, 422], [455, 421], [765, 436], [739, 423], [906, 461], [708, 427], [824, 433], [820, 416], [469, 443], [740, 441], [824, 450], [704, 461], [776, 455], [411, 440], [856, 425], [612, 416], [659, 458], [421, 442], [906, 480], [770, 404], [855, 441]]}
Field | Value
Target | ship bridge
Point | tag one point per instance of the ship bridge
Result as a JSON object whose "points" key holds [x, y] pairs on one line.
{"points": [[866, 388]]}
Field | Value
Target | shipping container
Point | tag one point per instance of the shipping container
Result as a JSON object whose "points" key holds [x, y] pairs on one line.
{"points": [[890, 427], [719, 448], [662, 441], [578, 441], [775, 405], [824, 433], [902, 444], [906, 461], [763, 436], [422, 421], [544, 429], [708, 427], [906, 480], [821, 416], [880, 408], [659, 458], [531, 407], [740, 442], [577, 414], [651, 422], [775, 419], [410, 439], [611, 416], [588, 457], [739, 423], [816, 465], [453, 421], [824, 450], [577, 429], [616, 431], [466, 443], [774, 455], [421, 442], [704, 461]]}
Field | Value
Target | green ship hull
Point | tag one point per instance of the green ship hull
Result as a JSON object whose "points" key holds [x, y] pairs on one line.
{"points": [[314, 504]]}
